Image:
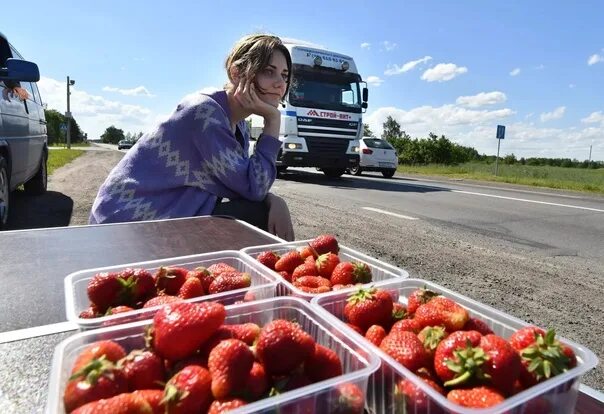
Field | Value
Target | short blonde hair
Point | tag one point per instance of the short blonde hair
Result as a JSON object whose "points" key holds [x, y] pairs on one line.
{"points": [[253, 53]]}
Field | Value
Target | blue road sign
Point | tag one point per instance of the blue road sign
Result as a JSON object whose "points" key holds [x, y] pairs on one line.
{"points": [[500, 131], [63, 127]]}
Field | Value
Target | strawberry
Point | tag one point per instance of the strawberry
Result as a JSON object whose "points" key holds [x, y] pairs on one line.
{"points": [[154, 398], [161, 300], [313, 284], [229, 364], [222, 406], [89, 313], [442, 311], [477, 397], [375, 334], [419, 297], [346, 273], [453, 351], [325, 243], [246, 332], [112, 351], [307, 251], [399, 311], [503, 363], [227, 281], [410, 325], [301, 405], [350, 399], [282, 346], [189, 391], [179, 329], [142, 285], [285, 275], [431, 337], [356, 329], [326, 263], [406, 349], [118, 309], [305, 269], [119, 404], [367, 307], [192, 288], [107, 289], [204, 276], [143, 370], [170, 279], [218, 268], [96, 380], [322, 364], [268, 258], [257, 383], [410, 398], [289, 261], [475, 324]]}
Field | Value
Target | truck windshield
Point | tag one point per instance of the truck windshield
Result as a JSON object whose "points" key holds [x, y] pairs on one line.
{"points": [[326, 90]]}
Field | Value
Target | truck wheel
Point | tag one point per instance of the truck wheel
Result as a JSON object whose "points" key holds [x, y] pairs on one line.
{"points": [[333, 172], [388, 173], [4, 192], [37, 184], [281, 169], [356, 170]]}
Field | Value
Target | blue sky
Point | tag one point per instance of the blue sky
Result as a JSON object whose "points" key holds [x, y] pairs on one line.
{"points": [[454, 68]]}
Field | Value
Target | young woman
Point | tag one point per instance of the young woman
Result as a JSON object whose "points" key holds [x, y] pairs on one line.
{"points": [[191, 163]]}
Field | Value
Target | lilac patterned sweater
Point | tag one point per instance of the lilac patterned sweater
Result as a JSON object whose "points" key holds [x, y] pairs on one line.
{"points": [[186, 163]]}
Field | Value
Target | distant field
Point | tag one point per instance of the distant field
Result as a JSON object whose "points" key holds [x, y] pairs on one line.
{"points": [[578, 179], [75, 145], [58, 158]]}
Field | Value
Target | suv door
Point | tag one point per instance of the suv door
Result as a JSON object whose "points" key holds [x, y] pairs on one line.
{"points": [[15, 129]]}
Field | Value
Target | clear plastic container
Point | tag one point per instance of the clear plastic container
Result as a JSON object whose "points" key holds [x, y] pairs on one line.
{"points": [[357, 361], [263, 286], [560, 391], [380, 270]]}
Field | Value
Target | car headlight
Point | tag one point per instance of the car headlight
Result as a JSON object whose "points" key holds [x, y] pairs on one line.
{"points": [[293, 145], [355, 149]]}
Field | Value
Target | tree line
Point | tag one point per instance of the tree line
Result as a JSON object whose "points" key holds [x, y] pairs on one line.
{"points": [[440, 150]]}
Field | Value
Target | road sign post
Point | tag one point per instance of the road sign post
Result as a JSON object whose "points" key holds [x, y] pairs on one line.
{"points": [[500, 135]]}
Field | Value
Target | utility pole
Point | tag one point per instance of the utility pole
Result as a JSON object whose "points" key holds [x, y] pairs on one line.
{"points": [[68, 114], [590, 153]]}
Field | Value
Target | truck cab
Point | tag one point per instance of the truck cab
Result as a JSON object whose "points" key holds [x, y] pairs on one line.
{"points": [[23, 135]]}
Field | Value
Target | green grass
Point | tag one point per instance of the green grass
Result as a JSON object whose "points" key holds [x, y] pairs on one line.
{"points": [[59, 157], [63, 145], [577, 179]]}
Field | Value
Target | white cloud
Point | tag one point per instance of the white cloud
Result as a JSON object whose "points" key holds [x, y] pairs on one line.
{"points": [[540, 67], [595, 58], [443, 72], [374, 80], [571, 85], [365, 45], [555, 114], [397, 70], [515, 72], [594, 117], [138, 91], [388, 45], [481, 99]]}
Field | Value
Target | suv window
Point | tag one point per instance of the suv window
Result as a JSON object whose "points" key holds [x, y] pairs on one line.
{"points": [[37, 93], [4, 52], [377, 143]]}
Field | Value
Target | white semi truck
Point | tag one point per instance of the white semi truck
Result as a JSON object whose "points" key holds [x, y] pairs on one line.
{"points": [[321, 118]]}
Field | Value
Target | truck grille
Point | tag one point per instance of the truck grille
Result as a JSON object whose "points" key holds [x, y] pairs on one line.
{"points": [[327, 146], [326, 128]]}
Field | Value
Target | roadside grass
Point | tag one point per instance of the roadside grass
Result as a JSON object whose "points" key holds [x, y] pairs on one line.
{"points": [[59, 157], [576, 179], [64, 145]]}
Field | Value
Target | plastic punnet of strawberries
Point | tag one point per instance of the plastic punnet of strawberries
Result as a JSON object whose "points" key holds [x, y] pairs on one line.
{"points": [[194, 362], [111, 293], [316, 267], [457, 355]]}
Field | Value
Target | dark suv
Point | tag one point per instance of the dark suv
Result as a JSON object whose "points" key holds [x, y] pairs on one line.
{"points": [[23, 137]]}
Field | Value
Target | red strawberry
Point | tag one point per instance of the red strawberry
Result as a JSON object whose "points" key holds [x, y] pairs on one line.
{"points": [[410, 325], [107, 289], [154, 398], [96, 380], [192, 288], [409, 398], [143, 370], [257, 383], [221, 267], [375, 334], [419, 297], [170, 279], [118, 309], [346, 273], [161, 300], [406, 349], [367, 307], [325, 243], [222, 406], [141, 284], [120, 404], [475, 324], [322, 364], [286, 275], [305, 269], [399, 311], [268, 258], [246, 332], [454, 349], [289, 261], [503, 363], [326, 263], [227, 281], [313, 284], [525, 337], [189, 391], [431, 337], [350, 399], [112, 351], [444, 312], [204, 276], [89, 313], [356, 329], [229, 363], [181, 328], [306, 251], [477, 397], [282, 346]]}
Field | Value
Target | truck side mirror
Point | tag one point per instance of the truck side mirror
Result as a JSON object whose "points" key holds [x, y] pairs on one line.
{"points": [[365, 94], [20, 71], [364, 105]]}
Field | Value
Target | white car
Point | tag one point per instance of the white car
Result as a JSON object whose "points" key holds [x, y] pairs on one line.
{"points": [[376, 155]]}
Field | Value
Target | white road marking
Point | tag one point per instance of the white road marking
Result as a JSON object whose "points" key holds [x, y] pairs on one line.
{"points": [[377, 210], [529, 201], [28, 333]]}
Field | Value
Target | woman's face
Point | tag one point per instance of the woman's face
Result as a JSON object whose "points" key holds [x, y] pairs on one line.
{"points": [[271, 81]]}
